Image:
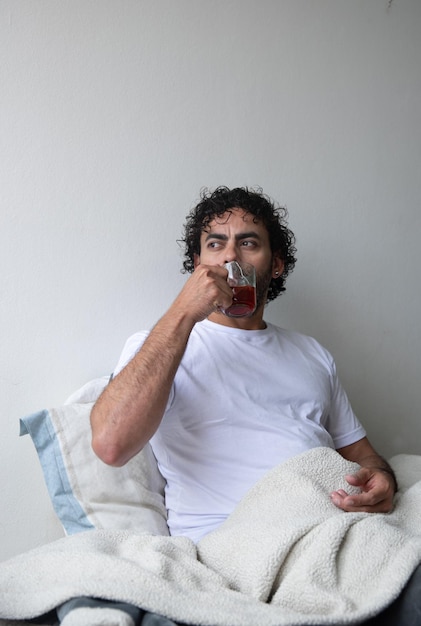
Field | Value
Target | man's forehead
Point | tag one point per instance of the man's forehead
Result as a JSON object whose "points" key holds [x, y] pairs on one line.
{"points": [[228, 217]]}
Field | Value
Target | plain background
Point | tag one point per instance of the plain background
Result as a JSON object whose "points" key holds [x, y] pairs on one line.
{"points": [[115, 113]]}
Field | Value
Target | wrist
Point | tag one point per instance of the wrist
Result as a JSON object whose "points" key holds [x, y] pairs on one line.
{"points": [[391, 473]]}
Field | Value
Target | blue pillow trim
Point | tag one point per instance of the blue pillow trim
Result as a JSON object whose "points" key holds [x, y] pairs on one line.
{"points": [[68, 508]]}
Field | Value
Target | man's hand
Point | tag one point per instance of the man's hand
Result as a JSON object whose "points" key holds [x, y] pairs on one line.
{"points": [[377, 491], [205, 292], [375, 479]]}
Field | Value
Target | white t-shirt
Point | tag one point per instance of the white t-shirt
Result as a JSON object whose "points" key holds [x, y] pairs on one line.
{"points": [[242, 402]]}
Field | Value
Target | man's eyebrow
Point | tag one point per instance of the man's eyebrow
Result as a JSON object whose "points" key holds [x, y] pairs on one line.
{"points": [[215, 236], [238, 237], [250, 234]]}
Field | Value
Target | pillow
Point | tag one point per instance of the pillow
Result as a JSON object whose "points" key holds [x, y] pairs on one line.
{"points": [[85, 492]]}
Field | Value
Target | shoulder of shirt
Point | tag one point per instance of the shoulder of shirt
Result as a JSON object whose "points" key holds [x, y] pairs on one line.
{"points": [[300, 339]]}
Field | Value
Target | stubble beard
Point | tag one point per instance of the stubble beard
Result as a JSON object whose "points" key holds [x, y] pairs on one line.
{"points": [[263, 280]]}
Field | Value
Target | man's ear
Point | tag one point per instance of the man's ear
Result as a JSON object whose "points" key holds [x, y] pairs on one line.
{"points": [[277, 267], [196, 260]]}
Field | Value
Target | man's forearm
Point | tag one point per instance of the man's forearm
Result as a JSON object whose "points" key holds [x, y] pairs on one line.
{"points": [[131, 407]]}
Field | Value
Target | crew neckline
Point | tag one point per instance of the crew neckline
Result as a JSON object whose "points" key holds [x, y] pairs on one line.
{"points": [[235, 331]]}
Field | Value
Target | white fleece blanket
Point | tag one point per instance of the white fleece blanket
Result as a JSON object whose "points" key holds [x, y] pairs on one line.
{"points": [[286, 556]]}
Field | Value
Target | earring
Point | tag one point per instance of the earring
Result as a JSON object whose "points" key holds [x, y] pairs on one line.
{"points": [[276, 273]]}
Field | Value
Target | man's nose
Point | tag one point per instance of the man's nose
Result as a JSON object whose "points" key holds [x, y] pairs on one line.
{"points": [[230, 253]]}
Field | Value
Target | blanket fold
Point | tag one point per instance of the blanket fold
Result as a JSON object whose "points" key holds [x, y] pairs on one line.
{"points": [[285, 557]]}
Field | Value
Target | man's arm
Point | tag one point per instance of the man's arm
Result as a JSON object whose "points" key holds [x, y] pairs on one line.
{"points": [[131, 407], [376, 480]]}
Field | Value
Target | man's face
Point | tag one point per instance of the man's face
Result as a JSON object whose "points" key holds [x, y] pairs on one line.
{"points": [[235, 236]]}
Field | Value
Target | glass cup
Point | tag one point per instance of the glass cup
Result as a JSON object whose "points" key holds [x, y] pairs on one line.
{"points": [[242, 280]]}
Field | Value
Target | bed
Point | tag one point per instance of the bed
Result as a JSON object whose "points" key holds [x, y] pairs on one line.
{"points": [[286, 555]]}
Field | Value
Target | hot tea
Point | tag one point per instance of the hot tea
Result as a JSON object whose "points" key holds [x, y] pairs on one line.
{"points": [[243, 301], [242, 280]]}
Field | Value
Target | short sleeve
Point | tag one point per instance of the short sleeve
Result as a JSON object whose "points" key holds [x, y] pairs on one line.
{"points": [[342, 425]]}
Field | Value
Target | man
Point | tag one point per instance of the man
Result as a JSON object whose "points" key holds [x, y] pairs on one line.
{"points": [[223, 399], [230, 225]]}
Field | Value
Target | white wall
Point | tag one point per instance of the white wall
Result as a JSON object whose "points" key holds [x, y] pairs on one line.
{"points": [[115, 113]]}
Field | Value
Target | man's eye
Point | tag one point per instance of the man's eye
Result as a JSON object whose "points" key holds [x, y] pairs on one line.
{"points": [[248, 244], [214, 244]]}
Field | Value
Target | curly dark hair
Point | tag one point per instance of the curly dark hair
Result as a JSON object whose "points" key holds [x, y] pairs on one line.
{"points": [[221, 200]]}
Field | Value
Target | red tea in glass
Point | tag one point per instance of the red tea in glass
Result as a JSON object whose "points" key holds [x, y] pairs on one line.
{"points": [[243, 301], [242, 280]]}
